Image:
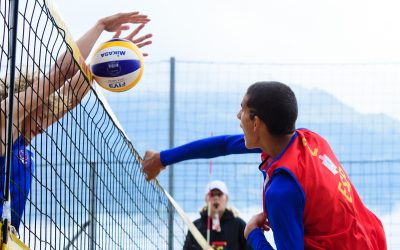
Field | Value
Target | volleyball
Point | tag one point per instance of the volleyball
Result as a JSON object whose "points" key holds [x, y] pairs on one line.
{"points": [[117, 65]]}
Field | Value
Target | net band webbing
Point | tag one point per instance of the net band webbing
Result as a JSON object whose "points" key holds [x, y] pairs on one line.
{"points": [[192, 228]]}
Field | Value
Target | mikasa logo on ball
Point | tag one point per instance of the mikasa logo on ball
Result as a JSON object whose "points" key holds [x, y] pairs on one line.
{"points": [[114, 53]]}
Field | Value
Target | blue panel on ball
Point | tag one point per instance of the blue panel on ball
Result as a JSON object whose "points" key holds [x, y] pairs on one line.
{"points": [[115, 68]]}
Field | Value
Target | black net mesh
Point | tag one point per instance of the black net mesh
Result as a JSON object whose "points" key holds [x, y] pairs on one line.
{"points": [[76, 181]]}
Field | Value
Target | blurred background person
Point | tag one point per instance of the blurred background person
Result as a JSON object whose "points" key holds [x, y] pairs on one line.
{"points": [[226, 228]]}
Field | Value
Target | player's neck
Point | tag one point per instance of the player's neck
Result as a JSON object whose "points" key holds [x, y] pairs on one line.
{"points": [[274, 145]]}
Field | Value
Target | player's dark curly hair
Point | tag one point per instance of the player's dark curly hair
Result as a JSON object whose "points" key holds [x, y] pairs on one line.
{"points": [[275, 104]]}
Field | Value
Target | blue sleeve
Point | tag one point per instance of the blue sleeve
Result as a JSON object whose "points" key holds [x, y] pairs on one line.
{"points": [[206, 148], [285, 201]]}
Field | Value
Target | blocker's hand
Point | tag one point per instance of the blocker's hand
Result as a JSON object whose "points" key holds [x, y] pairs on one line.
{"points": [[119, 21], [140, 42], [152, 165], [257, 220]]}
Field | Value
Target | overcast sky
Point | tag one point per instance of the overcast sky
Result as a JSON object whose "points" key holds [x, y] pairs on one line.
{"points": [[257, 30], [291, 31]]}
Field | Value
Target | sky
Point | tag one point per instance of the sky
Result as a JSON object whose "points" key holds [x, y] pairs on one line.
{"points": [[256, 30], [284, 31]]}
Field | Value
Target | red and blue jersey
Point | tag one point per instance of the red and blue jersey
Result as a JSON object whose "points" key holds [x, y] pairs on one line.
{"points": [[334, 216], [308, 197]]}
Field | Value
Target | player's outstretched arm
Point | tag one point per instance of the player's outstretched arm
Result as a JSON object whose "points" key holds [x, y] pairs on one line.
{"points": [[200, 149]]}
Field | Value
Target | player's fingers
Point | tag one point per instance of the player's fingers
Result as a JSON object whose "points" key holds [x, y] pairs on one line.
{"points": [[140, 45], [146, 154], [142, 38], [135, 32], [266, 228], [139, 19], [124, 27], [149, 176], [117, 34], [133, 13]]}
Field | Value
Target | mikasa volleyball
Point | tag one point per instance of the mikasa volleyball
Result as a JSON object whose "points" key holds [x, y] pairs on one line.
{"points": [[117, 65]]}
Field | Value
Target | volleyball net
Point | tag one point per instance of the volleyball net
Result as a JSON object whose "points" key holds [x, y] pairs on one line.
{"points": [[86, 189], [75, 180]]}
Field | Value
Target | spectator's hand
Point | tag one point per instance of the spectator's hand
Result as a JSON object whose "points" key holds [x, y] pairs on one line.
{"points": [[118, 21], [152, 165], [257, 220], [140, 42]]}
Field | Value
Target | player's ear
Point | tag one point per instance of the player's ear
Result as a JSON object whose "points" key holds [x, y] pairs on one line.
{"points": [[259, 124]]}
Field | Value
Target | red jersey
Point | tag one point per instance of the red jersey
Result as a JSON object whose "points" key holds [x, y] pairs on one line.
{"points": [[334, 216]]}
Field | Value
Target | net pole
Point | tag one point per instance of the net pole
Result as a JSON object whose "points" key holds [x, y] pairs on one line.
{"points": [[209, 203], [13, 20], [92, 206], [171, 145], [209, 206]]}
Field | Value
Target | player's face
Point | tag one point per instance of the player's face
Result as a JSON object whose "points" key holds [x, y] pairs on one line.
{"points": [[247, 124], [218, 201]]}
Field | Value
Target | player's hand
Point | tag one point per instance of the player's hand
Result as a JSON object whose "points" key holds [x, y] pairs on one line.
{"points": [[257, 221], [152, 165], [140, 42], [119, 21]]}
